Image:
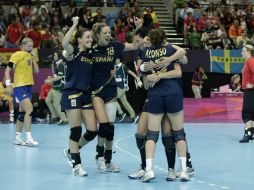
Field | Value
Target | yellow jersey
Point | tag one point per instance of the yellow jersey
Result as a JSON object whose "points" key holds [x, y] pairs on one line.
{"points": [[3, 95], [23, 68]]}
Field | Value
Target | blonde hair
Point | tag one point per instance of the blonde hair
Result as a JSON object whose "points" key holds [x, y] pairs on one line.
{"points": [[26, 40], [234, 77]]}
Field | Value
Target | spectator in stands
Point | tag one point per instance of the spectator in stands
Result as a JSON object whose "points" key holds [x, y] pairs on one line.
{"points": [[201, 23], [14, 33], [41, 107], [57, 36], [183, 14], [55, 94], [227, 20], [235, 30], [35, 34], [46, 38], [203, 4], [86, 20], [227, 43], [193, 4], [16, 9], [136, 10], [242, 40], [72, 7], [2, 38], [56, 20], [235, 84], [83, 9], [194, 39], [189, 22], [56, 8], [124, 12], [3, 19], [152, 13], [198, 81], [43, 18], [67, 18], [176, 5], [211, 10], [26, 14], [120, 30], [6, 101], [99, 17]]}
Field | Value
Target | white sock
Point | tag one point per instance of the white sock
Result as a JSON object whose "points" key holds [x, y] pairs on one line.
{"points": [[18, 135], [183, 163], [28, 135], [149, 164]]}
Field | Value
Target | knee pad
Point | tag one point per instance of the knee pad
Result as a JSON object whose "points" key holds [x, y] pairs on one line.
{"points": [[152, 135], [140, 140], [110, 132], [111, 111], [168, 142], [21, 116], [179, 135], [103, 129], [76, 133], [90, 135]]}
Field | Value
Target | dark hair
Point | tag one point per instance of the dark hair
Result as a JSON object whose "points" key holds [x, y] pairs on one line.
{"points": [[142, 32], [198, 67], [157, 36], [79, 34]]}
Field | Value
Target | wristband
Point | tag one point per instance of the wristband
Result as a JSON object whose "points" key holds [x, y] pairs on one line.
{"points": [[142, 68], [8, 82]]}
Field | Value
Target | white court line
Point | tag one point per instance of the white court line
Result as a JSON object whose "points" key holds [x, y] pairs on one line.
{"points": [[117, 145]]}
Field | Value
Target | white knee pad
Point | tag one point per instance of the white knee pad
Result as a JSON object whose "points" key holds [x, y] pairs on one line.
{"points": [[111, 111]]}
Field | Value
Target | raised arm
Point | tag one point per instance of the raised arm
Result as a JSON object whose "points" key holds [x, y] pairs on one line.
{"points": [[66, 40]]}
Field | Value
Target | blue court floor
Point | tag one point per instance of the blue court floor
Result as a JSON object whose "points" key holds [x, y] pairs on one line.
{"points": [[220, 162]]}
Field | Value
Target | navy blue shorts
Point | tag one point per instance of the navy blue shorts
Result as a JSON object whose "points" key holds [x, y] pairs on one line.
{"points": [[165, 104], [106, 93], [75, 99], [22, 92]]}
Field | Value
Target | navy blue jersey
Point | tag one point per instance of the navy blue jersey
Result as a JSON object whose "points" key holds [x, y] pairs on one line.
{"points": [[79, 71], [104, 58], [165, 86]]}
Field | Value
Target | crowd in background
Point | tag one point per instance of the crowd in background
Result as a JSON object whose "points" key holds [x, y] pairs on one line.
{"points": [[206, 25], [46, 23]]}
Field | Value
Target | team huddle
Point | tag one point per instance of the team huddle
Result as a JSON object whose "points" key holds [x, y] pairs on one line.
{"points": [[90, 92]]}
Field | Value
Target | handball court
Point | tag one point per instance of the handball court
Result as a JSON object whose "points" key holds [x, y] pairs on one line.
{"points": [[220, 162]]}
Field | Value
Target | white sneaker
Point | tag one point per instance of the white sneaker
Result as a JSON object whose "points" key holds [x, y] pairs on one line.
{"points": [[138, 174], [190, 172], [79, 171], [148, 176], [68, 156], [11, 119], [171, 175], [135, 119], [31, 142], [184, 176], [111, 167], [19, 141], [101, 164]]}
